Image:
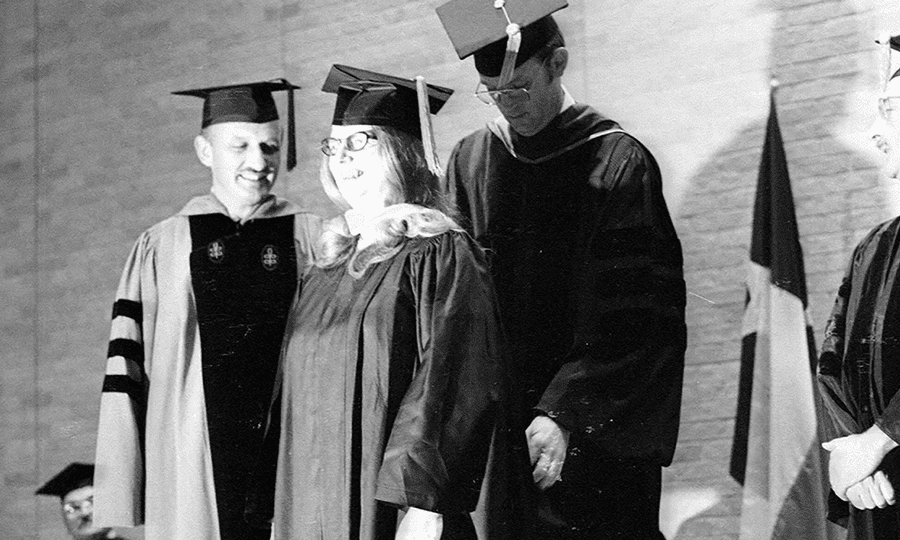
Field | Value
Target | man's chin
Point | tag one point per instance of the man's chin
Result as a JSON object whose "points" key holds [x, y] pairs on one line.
{"points": [[525, 128], [92, 533], [89, 533]]}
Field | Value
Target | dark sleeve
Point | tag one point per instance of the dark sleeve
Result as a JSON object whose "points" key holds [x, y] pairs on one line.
{"points": [[619, 388], [840, 418], [438, 446], [462, 181]]}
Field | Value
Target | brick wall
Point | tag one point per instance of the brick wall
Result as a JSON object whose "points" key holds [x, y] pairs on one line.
{"points": [[94, 149]]}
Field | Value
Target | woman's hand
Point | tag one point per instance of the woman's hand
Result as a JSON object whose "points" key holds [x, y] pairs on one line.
{"points": [[420, 524]]}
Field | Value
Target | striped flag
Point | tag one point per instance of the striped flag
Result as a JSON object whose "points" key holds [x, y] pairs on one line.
{"points": [[775, 454]]}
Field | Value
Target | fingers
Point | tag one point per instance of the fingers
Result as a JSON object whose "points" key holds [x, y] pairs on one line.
{"points": [[833, 443], [536, 442], [867, 494], [885, 487], [855, 496], [547, 471], [871, 493]]}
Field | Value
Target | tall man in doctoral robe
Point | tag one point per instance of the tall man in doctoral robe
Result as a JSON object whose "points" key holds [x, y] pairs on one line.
{"points": [[197, 328], [588, 269], [859, 366]]}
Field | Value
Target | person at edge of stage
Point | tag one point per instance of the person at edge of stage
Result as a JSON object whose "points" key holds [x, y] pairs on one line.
{"points": [[197, 327], [74, 487], [392, 366], [588, 270], [859, 377]]}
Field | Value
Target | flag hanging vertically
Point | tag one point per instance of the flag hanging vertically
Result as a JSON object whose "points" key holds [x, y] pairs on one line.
{"points": [[775, 454]]}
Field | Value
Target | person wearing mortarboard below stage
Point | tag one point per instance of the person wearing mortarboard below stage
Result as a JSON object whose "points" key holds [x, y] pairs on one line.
{"points": [[588, 270], [197, 326], [74, 487], [392, 373], [859, 370]]}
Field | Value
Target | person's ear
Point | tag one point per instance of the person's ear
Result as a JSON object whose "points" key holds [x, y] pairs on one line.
{"points": [[203, 148], [558, 61]]}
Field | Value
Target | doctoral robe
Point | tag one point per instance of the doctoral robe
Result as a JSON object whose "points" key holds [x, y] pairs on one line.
{"points": [[588, 271], [859, 366], [390, 389], [197, 326]]}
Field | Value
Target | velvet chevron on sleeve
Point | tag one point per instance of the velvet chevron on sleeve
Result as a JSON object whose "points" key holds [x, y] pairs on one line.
{"points": [[120, 451]]}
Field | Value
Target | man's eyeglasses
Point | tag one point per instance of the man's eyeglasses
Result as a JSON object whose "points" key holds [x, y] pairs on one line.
{"points": [[493, 97], [887, 105], [80, 507], [354, 143]]}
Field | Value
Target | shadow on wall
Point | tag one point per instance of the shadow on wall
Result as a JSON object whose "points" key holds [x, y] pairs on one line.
{"points": [[818, 54]]}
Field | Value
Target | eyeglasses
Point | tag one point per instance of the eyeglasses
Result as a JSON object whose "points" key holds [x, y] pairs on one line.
{"points": [[493, 97], [886, 105], [353, 143], [80, 507]]}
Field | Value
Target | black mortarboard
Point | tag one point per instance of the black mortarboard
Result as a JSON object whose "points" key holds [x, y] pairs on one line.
{"points": [[249, 102], [74, 476], [366, 97], [480, 27]]}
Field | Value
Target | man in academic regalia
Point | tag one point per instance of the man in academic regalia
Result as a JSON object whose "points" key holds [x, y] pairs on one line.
{"points": [[859, 367], [74, 486], [588, 269], [197, 327]]}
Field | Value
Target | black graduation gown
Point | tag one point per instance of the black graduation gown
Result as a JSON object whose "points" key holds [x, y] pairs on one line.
{"points": [[859, 367], [588, 271], [391, 384]]}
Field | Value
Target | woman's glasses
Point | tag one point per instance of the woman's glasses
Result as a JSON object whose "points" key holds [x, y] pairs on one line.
{"points": [[354, 143]]}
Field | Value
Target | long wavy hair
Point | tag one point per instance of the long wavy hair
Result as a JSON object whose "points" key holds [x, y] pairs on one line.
{"points": [[425, 208]]}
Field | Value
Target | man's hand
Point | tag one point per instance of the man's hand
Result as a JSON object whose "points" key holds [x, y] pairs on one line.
{"points": [[547, 444], [855, 457], [873, 491], [420, 524]]}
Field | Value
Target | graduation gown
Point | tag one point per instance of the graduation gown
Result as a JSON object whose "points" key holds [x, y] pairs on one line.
{"points": [[588, 271], [859, 366], [391, 384], [197, 325]]}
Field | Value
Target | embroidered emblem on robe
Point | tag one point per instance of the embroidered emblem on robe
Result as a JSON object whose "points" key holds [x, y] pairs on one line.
{"points": [[216, 251], [269, 257]]}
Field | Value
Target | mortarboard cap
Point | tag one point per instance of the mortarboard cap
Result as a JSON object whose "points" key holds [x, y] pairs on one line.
{"points": [[74, 476], [366, 97], [250, 102], [480, 27]]}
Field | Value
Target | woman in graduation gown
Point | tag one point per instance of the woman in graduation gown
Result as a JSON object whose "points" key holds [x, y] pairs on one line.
{"points": [[391, 368]]}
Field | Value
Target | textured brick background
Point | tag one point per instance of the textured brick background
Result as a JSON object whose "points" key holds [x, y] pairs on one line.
{"points": [[94, 149]]}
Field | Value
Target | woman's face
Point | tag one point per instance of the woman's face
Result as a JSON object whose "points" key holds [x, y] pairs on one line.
{"points": [[358, 168]]}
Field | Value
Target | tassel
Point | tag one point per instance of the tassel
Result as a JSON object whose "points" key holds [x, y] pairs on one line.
{"points": [[425, 126], [513, 42], [292, 139]]}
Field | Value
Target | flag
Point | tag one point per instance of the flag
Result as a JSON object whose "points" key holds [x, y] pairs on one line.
{"points": [[775, 455]]}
